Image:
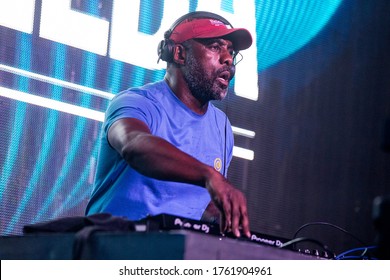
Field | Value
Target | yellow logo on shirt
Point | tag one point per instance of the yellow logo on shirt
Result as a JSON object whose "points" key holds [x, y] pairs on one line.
{"points": [[218, 164]]}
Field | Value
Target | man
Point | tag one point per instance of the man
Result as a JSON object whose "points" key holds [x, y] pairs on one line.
{"points": [[164, 146]]}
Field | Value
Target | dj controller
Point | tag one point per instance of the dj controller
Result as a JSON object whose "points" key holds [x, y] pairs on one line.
{"points": [[166, 222]]}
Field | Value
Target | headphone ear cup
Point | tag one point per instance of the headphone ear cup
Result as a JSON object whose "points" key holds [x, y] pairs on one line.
{"points": [[165, 50]]}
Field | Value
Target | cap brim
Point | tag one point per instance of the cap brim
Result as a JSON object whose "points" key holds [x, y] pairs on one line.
{"points": [[240, 37]]}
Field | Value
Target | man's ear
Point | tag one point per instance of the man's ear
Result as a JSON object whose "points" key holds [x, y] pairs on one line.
{"points": [[179, 54]]}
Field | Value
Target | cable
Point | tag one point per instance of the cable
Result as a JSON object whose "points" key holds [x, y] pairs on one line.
{"points": [[362, 256], [224, 148], [303, 239], [365, 246], [329, 224], [297, 240]]}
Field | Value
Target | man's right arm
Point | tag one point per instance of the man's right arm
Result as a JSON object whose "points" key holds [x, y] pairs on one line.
{"points": [[155, 157]]}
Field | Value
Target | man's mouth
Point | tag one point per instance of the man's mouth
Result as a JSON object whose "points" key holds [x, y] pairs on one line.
{"points": [[224, 78]]}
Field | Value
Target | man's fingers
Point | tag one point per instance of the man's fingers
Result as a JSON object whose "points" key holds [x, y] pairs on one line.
{"points": [[245, 222], [226, 210], [236, 218]]}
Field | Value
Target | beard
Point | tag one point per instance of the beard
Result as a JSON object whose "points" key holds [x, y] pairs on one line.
{"points": [[202, 83]]}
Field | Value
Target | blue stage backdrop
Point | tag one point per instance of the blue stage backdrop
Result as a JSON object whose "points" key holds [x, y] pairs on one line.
{"points": [[297, 115]]}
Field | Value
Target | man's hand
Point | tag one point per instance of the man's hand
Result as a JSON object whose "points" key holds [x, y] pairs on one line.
{"points": [[232, 204]]}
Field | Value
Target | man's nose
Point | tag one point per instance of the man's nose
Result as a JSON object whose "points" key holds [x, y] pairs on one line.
{"points": [[226, 57]]}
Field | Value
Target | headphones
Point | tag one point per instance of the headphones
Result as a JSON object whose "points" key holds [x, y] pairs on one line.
{"points": [[166, 47]]}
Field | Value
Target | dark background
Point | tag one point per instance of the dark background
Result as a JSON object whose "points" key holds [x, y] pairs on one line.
{"points": [[322, 132]]}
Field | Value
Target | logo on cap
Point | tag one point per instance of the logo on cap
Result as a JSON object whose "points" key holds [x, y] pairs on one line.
{"points": [[216, 22]]}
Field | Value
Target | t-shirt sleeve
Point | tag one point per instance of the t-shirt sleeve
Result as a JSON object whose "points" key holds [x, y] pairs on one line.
{"points": [[130, 105]]}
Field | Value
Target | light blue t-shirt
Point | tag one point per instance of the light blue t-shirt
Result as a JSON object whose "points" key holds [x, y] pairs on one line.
{"points": [[122, 191]]}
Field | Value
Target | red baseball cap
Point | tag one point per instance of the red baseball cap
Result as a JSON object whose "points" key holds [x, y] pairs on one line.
{"points": [[211, 28]]}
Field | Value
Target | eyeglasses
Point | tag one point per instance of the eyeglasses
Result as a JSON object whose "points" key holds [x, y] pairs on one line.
{"points": [[217, 45]]}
